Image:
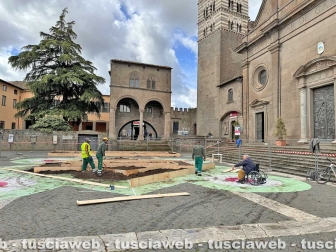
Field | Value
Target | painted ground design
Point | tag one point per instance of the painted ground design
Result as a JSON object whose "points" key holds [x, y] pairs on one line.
{"points": [[26, 184], [286, 207]]}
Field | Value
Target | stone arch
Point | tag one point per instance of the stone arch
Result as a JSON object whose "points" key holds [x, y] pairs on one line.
{"points": [[156, 100], [226, 123], [315, 65], [126, 96], [131, 132], [315, 77]]}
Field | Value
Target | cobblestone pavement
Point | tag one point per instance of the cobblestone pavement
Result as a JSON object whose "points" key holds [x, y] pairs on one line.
{"points": [[58, 210], [206, 214]]}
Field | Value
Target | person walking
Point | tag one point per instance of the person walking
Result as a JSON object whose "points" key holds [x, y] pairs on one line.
{"points": [[100, 154], [86, 155], [198, 154], [247, 165]]}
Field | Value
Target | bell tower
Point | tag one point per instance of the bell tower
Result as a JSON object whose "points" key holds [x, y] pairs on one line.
{"points": [[221, 27]]}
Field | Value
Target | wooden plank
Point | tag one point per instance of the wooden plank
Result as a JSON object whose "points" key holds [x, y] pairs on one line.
{"points": [[62, 178], [56, 168], [118, 154], [159, 177], [127, 198]]}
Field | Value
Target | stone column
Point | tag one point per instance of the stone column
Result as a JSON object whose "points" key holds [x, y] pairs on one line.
{"points": [[141, 132], [112, 135], [167, 125], [107, 128], [245, 103], [334, 142], [274, 73], [303, 115], [94, 125], [80, 127]]}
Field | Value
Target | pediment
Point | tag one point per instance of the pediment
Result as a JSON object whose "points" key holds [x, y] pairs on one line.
{"points": [[258, 103], [267, 9], [315, 65]]}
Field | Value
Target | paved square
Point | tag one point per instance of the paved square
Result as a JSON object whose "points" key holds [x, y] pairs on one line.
{"points": [[45, 210]]}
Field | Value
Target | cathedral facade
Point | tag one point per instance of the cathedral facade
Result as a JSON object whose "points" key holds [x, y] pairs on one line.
{"points": [[282, 65], [289, 71]]}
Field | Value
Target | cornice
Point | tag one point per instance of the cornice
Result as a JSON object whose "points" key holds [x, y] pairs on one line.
{"points": [[275, 47], [241, 47], [272, 25], [141, 89]]}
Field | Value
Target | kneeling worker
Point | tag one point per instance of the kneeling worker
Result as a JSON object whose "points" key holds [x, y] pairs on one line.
{"points": [[248, 166], [100, 154]]}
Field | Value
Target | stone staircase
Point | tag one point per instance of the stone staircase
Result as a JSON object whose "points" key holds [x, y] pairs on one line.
{"points": [[296, 160]]}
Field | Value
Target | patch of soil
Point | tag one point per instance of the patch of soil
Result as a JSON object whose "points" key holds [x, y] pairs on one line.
{"points": [[107, 175], [125, 168], [110, 175], [51, 164], [53, 172], [182, 163]]}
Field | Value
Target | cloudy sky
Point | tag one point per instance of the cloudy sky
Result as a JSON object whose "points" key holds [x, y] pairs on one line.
{"points": [[162, 32]]}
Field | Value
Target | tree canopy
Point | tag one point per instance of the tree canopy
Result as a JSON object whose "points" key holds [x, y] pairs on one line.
{"points": [[51, 123], [61, 80]]}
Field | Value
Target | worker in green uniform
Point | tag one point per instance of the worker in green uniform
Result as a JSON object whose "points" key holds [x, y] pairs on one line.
{"points": [[100, 154], [198, 154], [86, 155]]}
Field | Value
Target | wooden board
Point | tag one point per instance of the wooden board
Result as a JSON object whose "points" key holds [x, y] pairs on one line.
{"points": [[62, 178], [56, 168], [118, 154], [130, 161], [159, 177], [126, 198], [167, 175]]}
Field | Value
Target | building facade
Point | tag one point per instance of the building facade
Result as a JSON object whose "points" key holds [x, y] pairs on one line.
{"points": [[289, 70], [140, 100], [11, 93], [221, 27]]}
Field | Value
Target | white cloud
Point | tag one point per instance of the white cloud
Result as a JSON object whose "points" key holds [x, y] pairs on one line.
{"points": [[146, 33]]}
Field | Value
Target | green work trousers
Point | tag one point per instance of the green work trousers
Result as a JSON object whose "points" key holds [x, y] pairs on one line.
{"points": [[198, 163], [100, 162], [87, 161]]}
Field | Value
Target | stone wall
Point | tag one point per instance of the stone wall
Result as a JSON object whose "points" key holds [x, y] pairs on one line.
{"points": [[29, 140], [186, 119]]}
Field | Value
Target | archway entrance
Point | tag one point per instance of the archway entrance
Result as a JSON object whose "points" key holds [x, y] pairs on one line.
{"points": [[131, 130]]}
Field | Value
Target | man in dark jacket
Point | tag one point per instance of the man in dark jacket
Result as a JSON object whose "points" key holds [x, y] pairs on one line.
{"points": [[248, 166], [198, 154], [100, 154]]}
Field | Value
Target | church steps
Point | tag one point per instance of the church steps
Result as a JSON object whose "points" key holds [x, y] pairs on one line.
{"points": [[280, 160]]}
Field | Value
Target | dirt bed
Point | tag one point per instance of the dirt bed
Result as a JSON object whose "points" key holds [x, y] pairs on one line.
{"points": [[51, 165], [125, 168], [107, 175]]}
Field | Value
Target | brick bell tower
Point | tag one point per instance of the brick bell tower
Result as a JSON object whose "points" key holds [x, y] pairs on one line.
{"points": [[221, 27]]}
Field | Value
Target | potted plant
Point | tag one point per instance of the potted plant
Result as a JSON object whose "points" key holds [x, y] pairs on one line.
{"points": [[280, 132]]}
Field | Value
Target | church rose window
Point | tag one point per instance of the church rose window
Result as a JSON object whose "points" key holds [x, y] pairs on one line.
{"points": [[262, 77]]}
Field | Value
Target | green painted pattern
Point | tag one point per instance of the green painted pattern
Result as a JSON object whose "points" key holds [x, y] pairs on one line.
{"points": [[43, 184], [288, 184]]}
